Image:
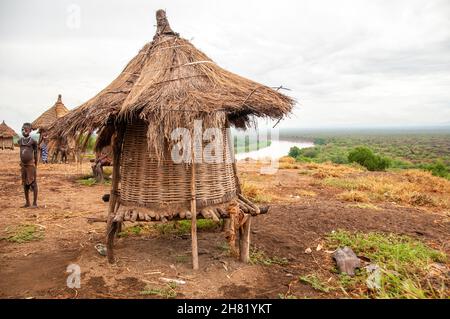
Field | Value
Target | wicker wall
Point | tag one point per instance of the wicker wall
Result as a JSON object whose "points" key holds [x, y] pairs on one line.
{"points": [[6, 142], [166, 185]]}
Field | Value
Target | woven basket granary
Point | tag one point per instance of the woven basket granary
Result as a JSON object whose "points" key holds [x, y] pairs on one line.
{"points": [[164, 186], [168, 85]]}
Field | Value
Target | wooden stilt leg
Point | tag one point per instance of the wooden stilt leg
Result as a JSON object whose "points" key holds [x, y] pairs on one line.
{"points": [[110, 242], [119, 228], [244, 241], [226, 225], [111, 226], [194, 222]]}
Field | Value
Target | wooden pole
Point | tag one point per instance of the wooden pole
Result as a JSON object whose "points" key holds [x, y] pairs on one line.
{"points": [[244, 240], [111, 227], [194, 218]]}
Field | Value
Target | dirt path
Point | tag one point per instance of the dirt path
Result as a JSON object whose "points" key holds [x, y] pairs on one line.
{"points": [[38, 268]]}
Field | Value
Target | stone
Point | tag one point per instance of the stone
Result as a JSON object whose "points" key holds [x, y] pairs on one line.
{"points": [[346, 260]]}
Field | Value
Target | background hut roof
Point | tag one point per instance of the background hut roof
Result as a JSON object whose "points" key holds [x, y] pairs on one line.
{"points": [[169, 84], [6, 131], [50, 116]]}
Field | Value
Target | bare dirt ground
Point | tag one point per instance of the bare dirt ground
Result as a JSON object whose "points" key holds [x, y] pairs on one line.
{"points": [[37, 269]]}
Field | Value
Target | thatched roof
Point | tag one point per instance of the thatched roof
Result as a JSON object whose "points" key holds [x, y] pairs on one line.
{"points": [[169, 84], [46, 119], [6, 131]]}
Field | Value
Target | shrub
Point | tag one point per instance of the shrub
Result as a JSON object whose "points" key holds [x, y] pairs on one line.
{"points": [[294, 152], [320, 141], [439, 169], [365, 157], [339, 159], [309, 152]]}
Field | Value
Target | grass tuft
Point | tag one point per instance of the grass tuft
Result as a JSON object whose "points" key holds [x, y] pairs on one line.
{"points": [[259, 257], [315, 283], [353, 196], [404, 262], [24, 233], [255, 193], [167, 292]]}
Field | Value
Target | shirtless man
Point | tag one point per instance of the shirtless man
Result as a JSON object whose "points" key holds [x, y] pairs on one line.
{"points": [[28, 163]]}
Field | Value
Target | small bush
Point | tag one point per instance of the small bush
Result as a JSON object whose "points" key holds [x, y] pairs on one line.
{"points": [[310, 152], [439, 169], [365, 157], [320, 141], [294, 152]]}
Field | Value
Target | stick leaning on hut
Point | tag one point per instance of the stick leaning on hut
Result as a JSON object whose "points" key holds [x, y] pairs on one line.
{"points": [[170, 84]]}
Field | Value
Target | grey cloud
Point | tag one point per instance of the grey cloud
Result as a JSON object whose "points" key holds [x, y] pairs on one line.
{"points": [[347, 62]]}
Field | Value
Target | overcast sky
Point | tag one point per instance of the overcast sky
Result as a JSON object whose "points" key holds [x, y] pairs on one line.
{"points": [[348, 63]]}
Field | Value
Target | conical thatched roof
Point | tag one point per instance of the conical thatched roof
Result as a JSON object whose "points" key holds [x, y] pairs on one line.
{"points": [[169, 84], [47, 118], [6, 131]]}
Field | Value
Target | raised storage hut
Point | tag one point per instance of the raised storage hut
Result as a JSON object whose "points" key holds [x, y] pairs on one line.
{"points": [[169, 85], [46, 120], [7, 135]]}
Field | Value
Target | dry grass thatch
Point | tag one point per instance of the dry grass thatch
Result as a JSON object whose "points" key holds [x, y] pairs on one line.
{"points": [[46, 119], [170, 84], [6, 131]]}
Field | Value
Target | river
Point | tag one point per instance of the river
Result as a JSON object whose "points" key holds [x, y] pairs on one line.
{"points": [[276, 150]]}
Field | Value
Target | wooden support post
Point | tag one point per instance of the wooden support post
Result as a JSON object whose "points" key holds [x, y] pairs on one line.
{"points": [[233, 158], [194, 218], [226, 224], [112, 227], [244, 241], [110, 241]]}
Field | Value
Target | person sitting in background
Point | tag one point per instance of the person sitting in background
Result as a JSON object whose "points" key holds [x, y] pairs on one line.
{"points": [[101, 159]]}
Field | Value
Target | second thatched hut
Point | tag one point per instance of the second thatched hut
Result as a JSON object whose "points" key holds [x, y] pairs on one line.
{"points": [[169, 86], [57, 144], [7, 135]]}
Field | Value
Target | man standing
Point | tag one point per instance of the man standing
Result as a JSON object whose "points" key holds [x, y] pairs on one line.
{"points": [[28, 163]]}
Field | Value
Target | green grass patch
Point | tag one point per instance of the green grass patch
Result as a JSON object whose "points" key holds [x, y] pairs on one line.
{"points": [[90, 181], [259, 257], [404, 262], [183, 227], [225, 247], [135, 230], [315, 283], [167, 292], [174, 228], [181, 259], [24, 233]]}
